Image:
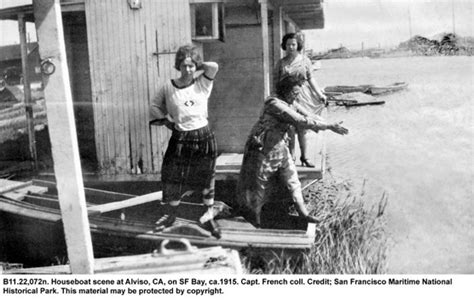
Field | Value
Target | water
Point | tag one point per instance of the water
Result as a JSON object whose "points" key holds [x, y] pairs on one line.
{"points": [[418, 147]]}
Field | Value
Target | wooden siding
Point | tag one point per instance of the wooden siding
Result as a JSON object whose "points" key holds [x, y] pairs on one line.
{"points": [[131, 56], [238, 92]]}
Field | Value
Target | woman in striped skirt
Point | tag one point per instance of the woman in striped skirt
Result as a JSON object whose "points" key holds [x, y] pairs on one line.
{"points": [[190, 159]]}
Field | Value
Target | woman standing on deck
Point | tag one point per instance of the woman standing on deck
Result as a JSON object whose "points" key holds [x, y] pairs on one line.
{"points": [[311, 97], [267, 155], [190, 160]]}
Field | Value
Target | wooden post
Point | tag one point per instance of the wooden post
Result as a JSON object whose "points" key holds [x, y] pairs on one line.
{"points": [[62, 131], [277, 35], [30, 122], [266, 52]]}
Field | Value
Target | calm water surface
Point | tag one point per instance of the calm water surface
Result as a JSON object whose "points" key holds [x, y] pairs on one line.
{"points": [[418, 147]]}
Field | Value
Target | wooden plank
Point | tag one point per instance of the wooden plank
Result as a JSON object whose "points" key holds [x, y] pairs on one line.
{"points": [[206, 260], [112, 72], [137, 114], [14, 195], [277, 37], [143, 142], [9, 185], [94, 60], [108, 129], [62, 132], [27, 91], [128, 94], [32, 189], [142, 199], [151, 65], [228, 164], [266, 50]]}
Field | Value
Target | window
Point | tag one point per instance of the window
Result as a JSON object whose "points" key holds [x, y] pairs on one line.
{"points": [[207, 21]]}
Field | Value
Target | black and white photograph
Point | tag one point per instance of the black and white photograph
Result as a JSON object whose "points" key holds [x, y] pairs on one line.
{"points": [[203, 148]]}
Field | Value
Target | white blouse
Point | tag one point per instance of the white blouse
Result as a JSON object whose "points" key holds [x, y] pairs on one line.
{"points": [[185, 106]]}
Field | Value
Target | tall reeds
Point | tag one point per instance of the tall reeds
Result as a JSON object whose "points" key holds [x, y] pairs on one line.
{"points": [[350, 237]]}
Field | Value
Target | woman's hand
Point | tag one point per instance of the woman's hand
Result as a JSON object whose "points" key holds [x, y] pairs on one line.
{"points": [[312, 219], [337, 128], [168, 124], [323, 98], [163, 122]]}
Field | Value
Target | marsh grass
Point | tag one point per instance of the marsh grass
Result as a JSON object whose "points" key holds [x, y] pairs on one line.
{"points": [[350, 237]]}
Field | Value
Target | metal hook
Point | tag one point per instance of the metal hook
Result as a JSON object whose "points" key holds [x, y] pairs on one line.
{"points": [[47, 66]]}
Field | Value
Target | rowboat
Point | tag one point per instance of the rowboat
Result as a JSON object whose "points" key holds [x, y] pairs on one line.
{"points": [[346, 89], [124, 224], [361, 103], [377, 90], [355, 99], [367, 89]]}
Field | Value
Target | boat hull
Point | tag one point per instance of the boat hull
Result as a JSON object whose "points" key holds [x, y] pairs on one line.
{"points": [[395, 87], [367, 89], [33, 233]]}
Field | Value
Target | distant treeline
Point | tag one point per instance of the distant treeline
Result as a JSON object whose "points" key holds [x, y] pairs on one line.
{"points": [[442, 44], [446, 44]]}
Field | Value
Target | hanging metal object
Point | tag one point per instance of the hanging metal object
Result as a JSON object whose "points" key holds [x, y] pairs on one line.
{"points": [[47, 66], [135, 4]]}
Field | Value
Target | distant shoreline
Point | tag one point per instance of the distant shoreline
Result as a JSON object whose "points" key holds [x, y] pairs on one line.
{"points": [[446, 44], [394, 54]]}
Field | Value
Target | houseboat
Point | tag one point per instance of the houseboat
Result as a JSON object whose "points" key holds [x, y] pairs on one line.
{"points": [[103, 61]]}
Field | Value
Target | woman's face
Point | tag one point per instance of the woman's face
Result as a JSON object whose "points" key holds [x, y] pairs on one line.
{"points": [[291, 46], [293, 94], [187, 67]]}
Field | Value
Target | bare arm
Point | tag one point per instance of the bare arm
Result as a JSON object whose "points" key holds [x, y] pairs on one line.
{"points": [[210, 69], [158, 111], [303, 212], [316, 89], [317, 123], [163, 122], [158, 106], [312, 81], [282, 111]]}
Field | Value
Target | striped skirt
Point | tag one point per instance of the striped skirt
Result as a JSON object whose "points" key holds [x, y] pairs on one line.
{"points": [[190, 161]]}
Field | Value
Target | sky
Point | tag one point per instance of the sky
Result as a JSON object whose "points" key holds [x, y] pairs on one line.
{"points": [[386, 23], [376, 23], [9, 29]]}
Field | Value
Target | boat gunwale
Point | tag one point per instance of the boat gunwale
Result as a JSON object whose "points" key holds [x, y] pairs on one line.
{"points": [[140, 230]]}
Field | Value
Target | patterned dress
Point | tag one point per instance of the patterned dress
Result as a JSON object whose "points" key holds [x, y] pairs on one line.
{"points": [[300, 67], [267, 155]]}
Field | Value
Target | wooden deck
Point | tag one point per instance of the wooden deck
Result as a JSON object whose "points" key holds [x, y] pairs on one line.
{"points": [[213, 260], [126, 222], [228, 164]]}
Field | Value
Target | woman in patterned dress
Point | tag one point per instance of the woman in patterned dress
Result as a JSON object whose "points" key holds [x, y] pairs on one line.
{"points": [[311, 97], [267, 156]]}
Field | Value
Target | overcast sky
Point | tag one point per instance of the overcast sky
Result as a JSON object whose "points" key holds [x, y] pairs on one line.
{"points": [[387, 22], [351, 22]]}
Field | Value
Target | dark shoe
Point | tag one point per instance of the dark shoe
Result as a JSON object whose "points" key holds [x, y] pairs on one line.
{"points": [[207, 221], [306, 162], [165, 221], [168, 218], [212, 226]]}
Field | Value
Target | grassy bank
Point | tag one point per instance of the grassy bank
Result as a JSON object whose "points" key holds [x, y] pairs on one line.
{"points": [[350, 238]]}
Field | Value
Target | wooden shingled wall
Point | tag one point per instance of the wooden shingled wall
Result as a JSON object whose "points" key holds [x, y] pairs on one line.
{"points": [[131, 55]]}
